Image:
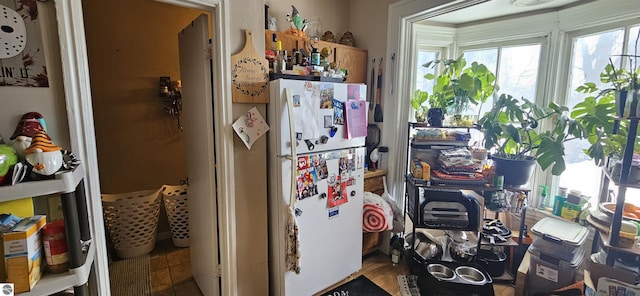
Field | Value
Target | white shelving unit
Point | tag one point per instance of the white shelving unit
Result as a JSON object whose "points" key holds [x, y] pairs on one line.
{"points": [[64, 182], [70, 184]]}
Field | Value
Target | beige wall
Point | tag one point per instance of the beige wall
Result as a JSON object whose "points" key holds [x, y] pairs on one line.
{"points": [[250, 169]]}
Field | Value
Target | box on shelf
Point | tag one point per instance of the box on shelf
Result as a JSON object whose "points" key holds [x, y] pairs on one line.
{"points": [[571, 211], [420, 170], [23, 253]]}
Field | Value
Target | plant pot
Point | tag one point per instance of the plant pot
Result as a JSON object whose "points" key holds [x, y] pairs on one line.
{"points": [[421, 116], [516, 172], [435, 116]]}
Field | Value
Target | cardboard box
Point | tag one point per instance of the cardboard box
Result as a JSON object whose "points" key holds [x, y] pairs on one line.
{"points": [[23, 253], [597, 274], [521, 276]]}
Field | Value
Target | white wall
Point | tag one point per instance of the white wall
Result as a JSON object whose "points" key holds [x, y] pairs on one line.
{"points": [[49, 101], [368, 21]]}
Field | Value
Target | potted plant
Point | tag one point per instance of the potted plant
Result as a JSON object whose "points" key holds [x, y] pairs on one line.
{"points": [[458, 86], [417, 103], [512, 135], [596, 112]]}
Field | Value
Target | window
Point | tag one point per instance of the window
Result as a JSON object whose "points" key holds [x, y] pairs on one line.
{"points": [[516, 68], [425, 56], [590, 53]]}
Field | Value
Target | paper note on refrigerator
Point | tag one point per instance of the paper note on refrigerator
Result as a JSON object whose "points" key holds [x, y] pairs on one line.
{"points": [[250, 126], [305, 115], [356, 112]]}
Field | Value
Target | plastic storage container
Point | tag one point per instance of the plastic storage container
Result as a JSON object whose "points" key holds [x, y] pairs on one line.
{"points": [[547, 273], [558, 238]]}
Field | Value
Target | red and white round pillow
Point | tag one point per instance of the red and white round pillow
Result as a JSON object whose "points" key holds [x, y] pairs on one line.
{"points": [[377, 215]]}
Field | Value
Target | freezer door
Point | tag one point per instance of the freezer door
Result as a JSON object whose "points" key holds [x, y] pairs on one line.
{"points": [[319, 123], [331, 187]]}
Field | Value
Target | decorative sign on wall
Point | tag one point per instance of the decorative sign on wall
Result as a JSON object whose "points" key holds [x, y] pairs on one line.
{"points": [[249, 74], [22, 61]]}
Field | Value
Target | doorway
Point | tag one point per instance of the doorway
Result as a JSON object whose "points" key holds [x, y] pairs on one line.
{"points": [[139, 145]]}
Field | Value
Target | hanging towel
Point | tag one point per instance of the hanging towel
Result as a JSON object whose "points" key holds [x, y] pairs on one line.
{"points": [[292, 260]]}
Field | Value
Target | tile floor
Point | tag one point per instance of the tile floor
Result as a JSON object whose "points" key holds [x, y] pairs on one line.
{"points": [[170, 268]]}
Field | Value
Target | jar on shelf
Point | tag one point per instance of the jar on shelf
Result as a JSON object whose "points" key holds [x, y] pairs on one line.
{"points": [[55, 246]]}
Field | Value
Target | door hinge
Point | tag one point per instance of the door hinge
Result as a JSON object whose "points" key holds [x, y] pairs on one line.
{"points": [[218, 271], [210, 51]]}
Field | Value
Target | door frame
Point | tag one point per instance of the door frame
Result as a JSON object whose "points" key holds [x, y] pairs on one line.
{"points": [[75, 66], [401, 18]]}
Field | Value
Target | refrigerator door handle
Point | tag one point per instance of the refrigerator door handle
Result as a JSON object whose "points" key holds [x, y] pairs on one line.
{"points": [[292, 133]]}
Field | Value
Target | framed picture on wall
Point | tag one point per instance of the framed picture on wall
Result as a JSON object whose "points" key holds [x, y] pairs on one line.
{"points": [[22, 61]]}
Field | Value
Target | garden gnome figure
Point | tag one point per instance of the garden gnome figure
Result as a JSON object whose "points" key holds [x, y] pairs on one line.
{"points": [[29, 125], [43, 155]]}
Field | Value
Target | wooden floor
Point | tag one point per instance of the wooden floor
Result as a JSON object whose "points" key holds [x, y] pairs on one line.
{"points": [[378, 268]]}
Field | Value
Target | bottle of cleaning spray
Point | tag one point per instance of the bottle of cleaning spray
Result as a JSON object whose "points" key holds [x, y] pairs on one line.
{"points": [[543, 196]]}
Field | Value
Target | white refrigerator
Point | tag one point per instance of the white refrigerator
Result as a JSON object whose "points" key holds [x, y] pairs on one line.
{"points": [[329, 130]]}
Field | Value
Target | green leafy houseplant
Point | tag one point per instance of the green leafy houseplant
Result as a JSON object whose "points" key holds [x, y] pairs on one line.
{"points": [[511, 132], [459, 85], [417, 103], [598, 109]]}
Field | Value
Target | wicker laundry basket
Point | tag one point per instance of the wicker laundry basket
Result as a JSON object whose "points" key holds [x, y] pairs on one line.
{"points": [[132, 221], [175, 204]]}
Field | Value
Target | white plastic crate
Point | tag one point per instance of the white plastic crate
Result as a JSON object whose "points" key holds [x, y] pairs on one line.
{"points": [[132, 221], [175, 204]]}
